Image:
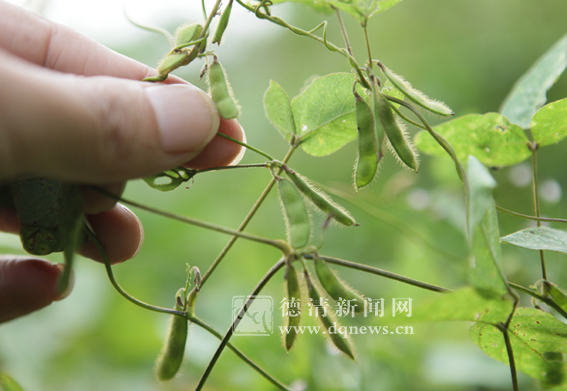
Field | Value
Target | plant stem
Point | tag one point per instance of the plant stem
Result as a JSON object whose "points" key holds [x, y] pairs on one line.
{"points": [[246, 220], [543, 299], [383, 273], [370, 62], [536, 207], [210, 18], [114, 283], [204, 9], [236, 321], [343, 30], [222, 168], [240, 355], [511, 359], [245, 145], [548, 219], [279, 244], [392, 220]]}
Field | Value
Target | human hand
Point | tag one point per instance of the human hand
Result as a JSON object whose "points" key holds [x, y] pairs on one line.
{"points": [[74, 110]]}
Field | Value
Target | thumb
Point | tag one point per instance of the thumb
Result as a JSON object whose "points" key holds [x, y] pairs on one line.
{"points": [[27, 285], [96, 129]]}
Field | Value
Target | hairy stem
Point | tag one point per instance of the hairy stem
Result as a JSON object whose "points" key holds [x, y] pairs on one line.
{"points": [[240, 355], [511, 359], [246, 146], [236, 321], [223, 168], [343, 30], [245, 222], [548, 219], [383, 273], [279, 244], [547, 300], [365, 29]]}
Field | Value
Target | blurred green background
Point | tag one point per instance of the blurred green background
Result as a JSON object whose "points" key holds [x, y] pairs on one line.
{"points": [[467, 53]]}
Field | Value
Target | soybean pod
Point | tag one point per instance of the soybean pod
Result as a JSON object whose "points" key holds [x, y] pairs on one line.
{"points": [[368, 153], [340, 341], [414, 95], [294, 308], [398, 140], [320, 199], [223, 22], [298, 226], [336, 288], [187, 33], [220, 91], [171, 357]]}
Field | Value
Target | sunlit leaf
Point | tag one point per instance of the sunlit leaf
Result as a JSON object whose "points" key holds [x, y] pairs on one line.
{"points": [[322, 6], [8, 384], [491, 138], [324, 114], [363, 9], [540, 238], [549, 125], [486, 254], [278, 110], [467, 304], [529, 92], [538, 343]]}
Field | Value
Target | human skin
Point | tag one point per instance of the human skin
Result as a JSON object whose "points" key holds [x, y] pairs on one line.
{"points": [[74, 110]]}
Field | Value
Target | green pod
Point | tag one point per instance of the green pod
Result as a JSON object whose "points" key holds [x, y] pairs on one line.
{"points": [[368, 153], [171, 357], [401, 145], [223, 22], [320, 199], [187, 33], [293, 295], [340, 341], [298, 226], [220, 91], [414, 95], [336, 288]]}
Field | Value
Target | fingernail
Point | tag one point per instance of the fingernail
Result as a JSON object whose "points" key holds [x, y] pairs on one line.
{"points": [[70, 286], [186, 117]]}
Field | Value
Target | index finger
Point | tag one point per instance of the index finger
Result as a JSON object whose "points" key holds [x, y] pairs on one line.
{"points": [[45, 43]]}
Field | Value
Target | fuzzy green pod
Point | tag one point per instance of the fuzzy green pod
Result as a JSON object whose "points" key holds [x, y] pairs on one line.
{"points": [[414, 95], [223, 22], [220, 91], [398, 140], [171, 357], [336, 288], [340, 341], [187, 33], [298, 226], [294, 314], [368, 153], [320, 199]]}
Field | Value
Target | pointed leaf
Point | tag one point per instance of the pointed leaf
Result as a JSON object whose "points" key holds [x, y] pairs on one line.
{"points": [[538, 342], [467, 304], [8, 384], [540, 238], [363, 9], [318, 5], [278, 110], [549, 125], [324, 114], [529, 92], [485, 271], [491, 138]]}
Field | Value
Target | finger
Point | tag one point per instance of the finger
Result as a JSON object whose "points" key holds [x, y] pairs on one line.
{"points": [[120, 232], [42, 42], [220, 151], [98, 129], [94, 202], [27, 285]]}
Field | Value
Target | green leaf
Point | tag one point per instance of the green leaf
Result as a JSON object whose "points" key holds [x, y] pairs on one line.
{"points": [[485, 271], [318, 5], [558, 295], [173, 178], [8, 384], [363, 10], [538, 343], [467, 304], [540, 238], [324, 114], [549, 125], [529, 92], [278, 110], [491, 138]]}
